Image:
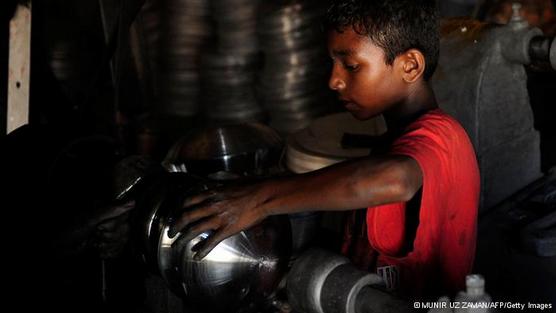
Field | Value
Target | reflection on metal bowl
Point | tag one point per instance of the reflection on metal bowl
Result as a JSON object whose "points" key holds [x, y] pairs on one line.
{"points": [[244, 268]]}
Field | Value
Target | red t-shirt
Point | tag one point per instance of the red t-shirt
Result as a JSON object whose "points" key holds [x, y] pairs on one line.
{"points": [[444, 245]]}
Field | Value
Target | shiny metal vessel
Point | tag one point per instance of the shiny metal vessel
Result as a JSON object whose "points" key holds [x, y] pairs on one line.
{"points": [[241, 150], [244, 268]]}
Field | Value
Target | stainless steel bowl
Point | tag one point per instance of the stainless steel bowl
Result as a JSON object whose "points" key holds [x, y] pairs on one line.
{"points": [[249, 149], [244, 268]]}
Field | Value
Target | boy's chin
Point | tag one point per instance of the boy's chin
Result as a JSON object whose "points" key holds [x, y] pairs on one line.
{"points": [[361, 115]]}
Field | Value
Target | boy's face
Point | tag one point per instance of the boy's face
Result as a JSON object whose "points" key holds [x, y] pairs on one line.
{"points": [[365, 84]]}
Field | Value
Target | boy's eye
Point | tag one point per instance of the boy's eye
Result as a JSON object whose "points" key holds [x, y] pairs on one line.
{"points": [[351, 67]]}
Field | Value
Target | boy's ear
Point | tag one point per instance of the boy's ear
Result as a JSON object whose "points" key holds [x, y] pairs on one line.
{"points": [[412, 64]]}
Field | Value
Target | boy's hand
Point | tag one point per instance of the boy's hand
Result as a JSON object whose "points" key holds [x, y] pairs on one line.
{"points": [[225, 211]]}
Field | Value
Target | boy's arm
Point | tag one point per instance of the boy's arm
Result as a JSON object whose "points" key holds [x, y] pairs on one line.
{"points": [[345, 186]]}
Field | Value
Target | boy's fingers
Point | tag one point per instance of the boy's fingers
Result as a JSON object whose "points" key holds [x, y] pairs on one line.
{"points": [[193, 214], [196, 231], [210, 243]]}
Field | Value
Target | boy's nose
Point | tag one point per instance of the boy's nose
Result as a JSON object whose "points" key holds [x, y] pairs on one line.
{"points": [[336, 83]]}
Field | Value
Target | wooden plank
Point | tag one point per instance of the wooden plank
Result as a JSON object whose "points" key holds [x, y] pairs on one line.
{"points": [[19, 68]]}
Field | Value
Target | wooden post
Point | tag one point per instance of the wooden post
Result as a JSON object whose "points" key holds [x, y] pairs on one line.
{"points": [[19, 68]]}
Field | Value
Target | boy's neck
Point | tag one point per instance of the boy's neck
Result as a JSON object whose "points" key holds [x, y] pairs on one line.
{"points": [[418, 101]]}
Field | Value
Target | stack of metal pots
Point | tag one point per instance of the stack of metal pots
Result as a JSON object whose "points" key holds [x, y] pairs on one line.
{"points": [[186, 28], [293, 83], [236, 25], [228, 71], [228, 88]]}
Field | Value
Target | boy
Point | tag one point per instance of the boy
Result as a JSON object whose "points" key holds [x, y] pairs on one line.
{"points": [[422, 194]]}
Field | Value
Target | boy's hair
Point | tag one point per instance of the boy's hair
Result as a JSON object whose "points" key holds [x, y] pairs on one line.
{"points": [[395, 26]]}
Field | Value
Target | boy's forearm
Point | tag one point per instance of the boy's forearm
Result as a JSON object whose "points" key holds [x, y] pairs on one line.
{"points": [[346, 186]]}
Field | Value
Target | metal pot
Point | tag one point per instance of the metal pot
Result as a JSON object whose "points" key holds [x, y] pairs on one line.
{"points": [[244, 268], [250, 149]]}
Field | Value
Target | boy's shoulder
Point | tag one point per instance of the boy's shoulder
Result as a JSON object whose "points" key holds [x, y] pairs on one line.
{"points": [[435, 129], [437, 119]]}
